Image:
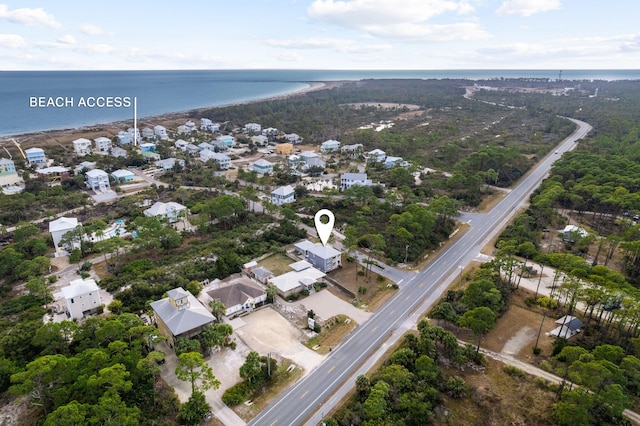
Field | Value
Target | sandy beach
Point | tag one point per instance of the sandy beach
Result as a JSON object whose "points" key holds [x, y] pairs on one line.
{"points": [[63, 137]]}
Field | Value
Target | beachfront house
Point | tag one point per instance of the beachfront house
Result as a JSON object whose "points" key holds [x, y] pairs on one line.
{"points": [[349, 180], [160, 132], [36, 157], [252, 128], [81, 297], [376, 156], [283, 195], [263, 167], [322, 257], [170, 211], [180, 315], [329, 146], [82, 147], [97, 180], [122, 176], [103, 144], [59, 227], [209, 126], [239, 297], [8, 174]]}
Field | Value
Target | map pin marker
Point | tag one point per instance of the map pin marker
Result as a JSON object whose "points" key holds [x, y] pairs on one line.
{"points": [[324, 229]]}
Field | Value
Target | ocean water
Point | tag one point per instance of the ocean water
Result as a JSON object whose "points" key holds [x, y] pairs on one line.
{"points": [[160, 92]]}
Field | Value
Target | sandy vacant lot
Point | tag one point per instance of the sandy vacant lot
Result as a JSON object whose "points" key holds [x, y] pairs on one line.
{"points": [[267, 331]]}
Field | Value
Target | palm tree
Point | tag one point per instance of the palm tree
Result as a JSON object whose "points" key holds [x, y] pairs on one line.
{"points": [[217, 308]]}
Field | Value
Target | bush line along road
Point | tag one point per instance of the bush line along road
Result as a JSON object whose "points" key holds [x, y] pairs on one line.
{"points": [[306, 399]]}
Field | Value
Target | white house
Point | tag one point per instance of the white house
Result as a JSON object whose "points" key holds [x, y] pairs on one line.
{"points": [[572, 232], [263, 167], [224, 161], [348, 180], [208, 125], [82, 147], [270, 131], [116, 151], [170, 211], [148, 133], [252, 128], [260, 140], [181, 145], [61, 226], [103, 144], [239, 297], [283, 195], [82, 297], [169, 163], [97, 180], [8, 174], [206, 145], [160, 132], [376, 156], [391, 162], [352, 151], [293, 138], [330, 146], [227, 139]]}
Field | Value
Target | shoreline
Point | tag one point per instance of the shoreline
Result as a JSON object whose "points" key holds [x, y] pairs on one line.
{"points": [[110, 129]]}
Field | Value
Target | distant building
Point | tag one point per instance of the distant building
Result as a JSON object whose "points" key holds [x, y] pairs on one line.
{"points": [[82, 147], [59, 227], [84, 166], [148, 133], [391, 162], [180, 315], [169, 163], [82, 297], [116, 151], [224, 161], [352, 151], [171, 211], [148, 151], [160, 132], [54, 174], [227, 139], [208, 125], [348, 180], [270, 132], [260, 140], [181, 145], [103, 145], [283, 195], [263, 167], [293, 138], [330, 146], [252, 128], [97, 180], [36, 157], [127, 138], [206, 145], [571, 233], [376, 156]]}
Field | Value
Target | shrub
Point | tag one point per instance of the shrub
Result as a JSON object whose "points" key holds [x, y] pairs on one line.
{"points": [[237, 394], [513, 371], [537, 350]]}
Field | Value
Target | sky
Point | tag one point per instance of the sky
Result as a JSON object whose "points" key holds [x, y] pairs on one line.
{"points": [[319, 34]]}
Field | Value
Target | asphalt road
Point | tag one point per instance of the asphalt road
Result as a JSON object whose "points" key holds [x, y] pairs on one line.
{"points": [[306, 401]]}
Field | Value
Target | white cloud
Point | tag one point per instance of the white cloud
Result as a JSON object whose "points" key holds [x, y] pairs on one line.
{"points": [[67, 39], [97, 49], [401, 21], [91, 29], [12, 41], [339, 45], [527, 7], [28, 16]]}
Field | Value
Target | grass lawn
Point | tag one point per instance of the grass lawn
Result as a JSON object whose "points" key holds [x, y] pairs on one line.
{"points": [[277, 263]]}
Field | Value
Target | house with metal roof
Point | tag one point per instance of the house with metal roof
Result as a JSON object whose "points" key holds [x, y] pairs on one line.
{"points": [[180, 314], [81, 296], [61, 226], [323, 257]]}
